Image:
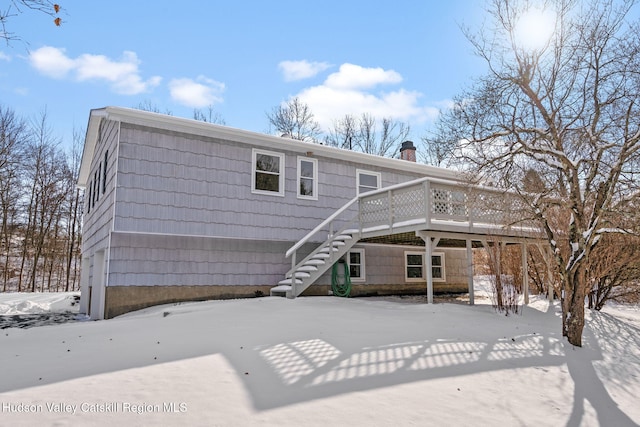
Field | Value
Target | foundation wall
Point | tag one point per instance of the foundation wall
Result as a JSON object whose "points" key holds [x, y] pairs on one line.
{"points": [[123, 299]]}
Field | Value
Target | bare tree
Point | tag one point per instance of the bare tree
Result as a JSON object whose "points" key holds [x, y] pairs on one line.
{"points": [[570, 109], [364, 134], [39, 206], [13, 138], [294, 119], [208, 115], [344, 133], [16, 7], [614, 271], [437, 152], [74, 209], [45, 165], [148, 105], [392, 134]]}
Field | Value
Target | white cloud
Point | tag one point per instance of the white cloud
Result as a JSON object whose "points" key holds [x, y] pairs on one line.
{"points": [[51, 61], [123, 74], [196, 93], [352, 76], [353, 90], [299, 70], [4, 57]]}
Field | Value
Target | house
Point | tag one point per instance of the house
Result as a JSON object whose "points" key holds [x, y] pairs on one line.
{"points": [[178, 210]]}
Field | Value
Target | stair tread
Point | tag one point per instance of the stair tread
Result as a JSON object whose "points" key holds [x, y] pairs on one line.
{"points": [[281, 288], [288, 282], [343, 237], [300, 275], [312, 262], [320, 255]]}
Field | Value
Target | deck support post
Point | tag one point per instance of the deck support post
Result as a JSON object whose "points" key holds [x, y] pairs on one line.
{"points": [[429, 245], [470, 271], [525, 273], [429, 266], [548, 257]]}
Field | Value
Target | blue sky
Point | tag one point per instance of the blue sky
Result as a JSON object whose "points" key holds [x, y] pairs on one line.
{"points": [[404, 59]]}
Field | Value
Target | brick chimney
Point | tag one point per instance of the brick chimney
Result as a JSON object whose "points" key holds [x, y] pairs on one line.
{"points": [[408, 151]]}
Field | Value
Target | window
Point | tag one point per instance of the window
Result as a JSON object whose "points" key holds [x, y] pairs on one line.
{"points": [[88, 199], [356, 265], [104, 172], [415, 268], [367, 181], [307, 178], [96, 183], [437, 267], [268, 173]]}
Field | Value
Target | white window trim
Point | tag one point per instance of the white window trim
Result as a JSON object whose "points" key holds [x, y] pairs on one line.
{"points": [[254, 154], [366, 172], [363, 276], [422, 279], [315, 178], [406, 267], [444, 270]]}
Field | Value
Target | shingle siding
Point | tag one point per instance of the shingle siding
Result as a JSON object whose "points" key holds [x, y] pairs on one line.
{"points": [[97, 221], [156, 260], [174, 183]]}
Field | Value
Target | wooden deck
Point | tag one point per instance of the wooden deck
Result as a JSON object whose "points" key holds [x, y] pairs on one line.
{"points": [[425, 208]]}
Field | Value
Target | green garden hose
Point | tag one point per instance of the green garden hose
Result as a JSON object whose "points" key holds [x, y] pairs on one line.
{"points": [[340, 289]]}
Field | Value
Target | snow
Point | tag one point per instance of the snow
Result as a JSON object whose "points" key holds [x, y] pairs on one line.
{"points": [[16, 303], [318, 361]]}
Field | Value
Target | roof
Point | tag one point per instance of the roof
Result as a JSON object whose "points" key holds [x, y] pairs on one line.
{"points": [[196, 127]]}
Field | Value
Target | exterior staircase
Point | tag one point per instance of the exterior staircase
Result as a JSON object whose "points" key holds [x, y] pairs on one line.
{"points": [[307, 271]]}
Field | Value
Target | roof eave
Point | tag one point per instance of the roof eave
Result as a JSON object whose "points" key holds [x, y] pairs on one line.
{"points": [[90, 141], [172, 123]]}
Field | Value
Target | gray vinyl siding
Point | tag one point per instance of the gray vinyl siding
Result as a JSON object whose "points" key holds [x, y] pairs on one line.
{"points": [[385, 265], [156, 260], [97, 222], [455, 265], [174, 183]]}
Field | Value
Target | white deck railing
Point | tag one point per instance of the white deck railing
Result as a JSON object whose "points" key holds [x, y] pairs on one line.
{"points": [[424, 204]]}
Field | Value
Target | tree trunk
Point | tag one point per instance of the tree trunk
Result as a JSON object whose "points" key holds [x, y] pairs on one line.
{"points": [[72, 237], [574, 323]]}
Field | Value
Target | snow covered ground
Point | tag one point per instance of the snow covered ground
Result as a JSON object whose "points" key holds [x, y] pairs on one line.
{"points": [[320, 361], [27, 310], [22, 303]]}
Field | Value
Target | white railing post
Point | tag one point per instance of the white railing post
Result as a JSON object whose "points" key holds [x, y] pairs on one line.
{"points": [[390, 205], [293, 274], [468, 207], [360, 216], [331, 243], [427, 202]]}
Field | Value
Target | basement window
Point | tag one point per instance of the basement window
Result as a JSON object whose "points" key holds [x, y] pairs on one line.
{"points": [[437, 267], [415, 268], [356, 265]]}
